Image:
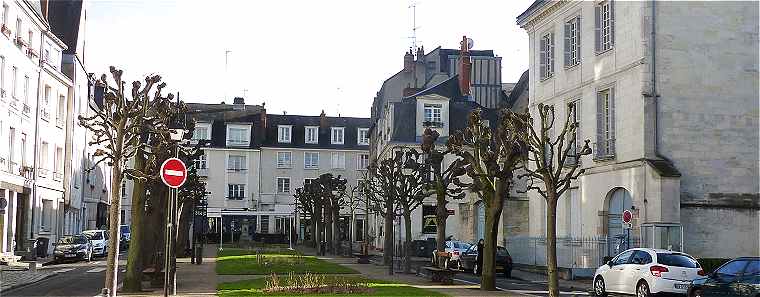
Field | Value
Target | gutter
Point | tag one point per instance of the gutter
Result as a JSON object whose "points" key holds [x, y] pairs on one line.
{"points": [[653, 81]]}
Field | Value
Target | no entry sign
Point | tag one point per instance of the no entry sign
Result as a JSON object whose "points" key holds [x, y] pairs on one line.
{"points": [[627, 216], [173, 172]]}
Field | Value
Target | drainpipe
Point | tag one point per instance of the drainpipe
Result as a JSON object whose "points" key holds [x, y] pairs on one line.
{"points": [[653, 78]]}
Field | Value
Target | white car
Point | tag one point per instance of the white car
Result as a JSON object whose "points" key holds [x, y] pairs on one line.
{"points": [[644, 272], [99, 240]]}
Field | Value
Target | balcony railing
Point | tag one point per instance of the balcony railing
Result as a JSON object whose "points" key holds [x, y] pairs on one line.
{"points": [[432, 124], [43, 172], [3, 164], [26, 171], [45, 114], [57, 176], [59, 122], [5, 30], [26, 109], [605, 150]]}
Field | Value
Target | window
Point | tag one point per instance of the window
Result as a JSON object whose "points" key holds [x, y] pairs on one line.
{"points": [[339, 160], [31, 39], [363, 138], [47, 96], [573, 42], [235, 191], [26, 89], [200, 163], [43, 159], [622, 258], [19, 25], [337, 135], [311, 160], [311, 134], [283, 133], [47, 215], [61, 110], [605, 123], [284, 160], [2, 77], [264, 224], [283, 185], [573, 109], [363, 162], [546, 56], [200, 133], [23, 149], [12, 144], [5, 14], [308, 181], [14, 81], [432, 114], [237, 136], [58, 165], [604, 25], [236, 163], [641, 258]]}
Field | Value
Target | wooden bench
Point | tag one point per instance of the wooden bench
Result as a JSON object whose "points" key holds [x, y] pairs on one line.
{"points": [[362, 258], [152, 272], [444, 276]]}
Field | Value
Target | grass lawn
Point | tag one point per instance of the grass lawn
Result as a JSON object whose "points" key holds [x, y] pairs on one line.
{"points": [[243, 261], [379, 288]]}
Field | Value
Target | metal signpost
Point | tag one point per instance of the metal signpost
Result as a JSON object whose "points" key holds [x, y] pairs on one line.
{"points": [[174, 175], [627, 217]]}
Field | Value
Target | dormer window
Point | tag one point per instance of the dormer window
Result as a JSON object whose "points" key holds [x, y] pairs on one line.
{"points": [[283, 133], [363, 136], [201, 132], [433, 115], [311, 134], [238, 135], [337, 135]]}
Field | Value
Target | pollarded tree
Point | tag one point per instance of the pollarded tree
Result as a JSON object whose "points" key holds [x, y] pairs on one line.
{"points": [[554, 176], [412, 191], [116, 127], [380, 186], [445, 183], [310, 202], [333, 189], [490, 158]]}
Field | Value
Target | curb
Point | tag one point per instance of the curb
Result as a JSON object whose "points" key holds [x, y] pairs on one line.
{"points": [[18, 286]]}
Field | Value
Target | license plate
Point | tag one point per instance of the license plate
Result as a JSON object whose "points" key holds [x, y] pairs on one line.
{"points": [[70, 255], [681, 286]]}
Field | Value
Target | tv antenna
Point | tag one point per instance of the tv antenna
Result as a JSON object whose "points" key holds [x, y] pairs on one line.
{"points": [[413, 6]]}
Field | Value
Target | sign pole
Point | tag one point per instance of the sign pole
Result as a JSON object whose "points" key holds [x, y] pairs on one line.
{"points": [[173, 174]]}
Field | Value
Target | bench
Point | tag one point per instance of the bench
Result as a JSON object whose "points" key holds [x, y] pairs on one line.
{"points": [[444, 276], [361, 258]]}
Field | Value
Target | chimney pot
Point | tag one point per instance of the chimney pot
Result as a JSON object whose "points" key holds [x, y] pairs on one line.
{"points": [[408, 61], [238, 100]]}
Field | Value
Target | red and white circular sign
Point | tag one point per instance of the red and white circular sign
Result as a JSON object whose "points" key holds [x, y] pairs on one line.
{"points": [[627, 216], [173, 172]]}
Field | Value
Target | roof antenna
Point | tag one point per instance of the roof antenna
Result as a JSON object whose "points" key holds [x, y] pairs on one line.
{"points": [[413, 6]]}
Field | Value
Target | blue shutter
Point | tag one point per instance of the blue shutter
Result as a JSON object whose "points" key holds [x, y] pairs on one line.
{"points": [[551, 52], [597, 28], [568, 45], [578, 38], [611, 141], [600, 124], [542, 58], [612, 23]]}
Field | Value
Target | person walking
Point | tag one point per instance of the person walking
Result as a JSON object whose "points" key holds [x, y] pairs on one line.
{"points": [[479, 258]]}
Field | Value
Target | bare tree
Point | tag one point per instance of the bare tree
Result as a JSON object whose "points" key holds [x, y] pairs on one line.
{"points": [[381, 189], [491, 158], [310, 203], [116, 128], [554, 176], [354, 202], [412, 191], [333, 189], [445, 184]]}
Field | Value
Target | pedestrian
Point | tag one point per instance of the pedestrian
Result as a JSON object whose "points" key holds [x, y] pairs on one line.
{"points": [[479, 258]]}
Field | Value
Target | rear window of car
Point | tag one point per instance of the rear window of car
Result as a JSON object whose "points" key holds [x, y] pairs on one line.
{"points": [[125, 229], [94, 235], [677, 260]]}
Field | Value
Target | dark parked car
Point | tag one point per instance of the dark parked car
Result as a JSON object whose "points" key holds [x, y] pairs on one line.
{"points": [[73, 247], [503, 260], [738, 277]]}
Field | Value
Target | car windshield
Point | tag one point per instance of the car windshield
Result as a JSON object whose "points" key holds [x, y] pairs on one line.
{"points": [[677, 260], [753, 268], [94, 235], [125, 229], [462, 245], [73, 240]]}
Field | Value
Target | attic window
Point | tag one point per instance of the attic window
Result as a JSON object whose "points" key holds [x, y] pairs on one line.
{"points": [[433, 115], [283, 133], [337, 135]]}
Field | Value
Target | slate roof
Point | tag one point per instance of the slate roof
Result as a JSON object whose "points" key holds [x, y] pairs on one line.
{"points": [[298, 131], [520, 87], [64, 18], [531, 9]]}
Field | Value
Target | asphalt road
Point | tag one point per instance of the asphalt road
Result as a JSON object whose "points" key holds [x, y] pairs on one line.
{"points": [[536, 288], [72, 279]]}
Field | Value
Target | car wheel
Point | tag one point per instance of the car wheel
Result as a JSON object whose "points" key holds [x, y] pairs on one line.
{"points": [[642, 290], [599, 289], [696, 293]]}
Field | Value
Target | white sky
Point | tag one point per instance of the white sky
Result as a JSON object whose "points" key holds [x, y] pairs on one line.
{"points": [[297, 56]]}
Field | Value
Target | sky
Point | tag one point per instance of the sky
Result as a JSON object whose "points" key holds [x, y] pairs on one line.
{"points": [[298, 57]]}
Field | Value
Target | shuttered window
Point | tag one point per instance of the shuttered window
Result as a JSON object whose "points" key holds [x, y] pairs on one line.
{"points": [[574, 112], [573, 42], [604, 26], [605, 123], [546, 56]]}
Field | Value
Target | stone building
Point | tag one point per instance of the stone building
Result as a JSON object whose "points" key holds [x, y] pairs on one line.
{"points": [[667, 92]]}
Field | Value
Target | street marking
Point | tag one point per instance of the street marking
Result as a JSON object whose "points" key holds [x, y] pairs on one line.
{"points": [[64, 270], [99, 269], [173, 172], [474, 283]]}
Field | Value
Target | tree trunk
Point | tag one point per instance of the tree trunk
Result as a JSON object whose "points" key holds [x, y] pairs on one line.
{"points": [[388, 236], [114, 226], [329, 230], [441, 214], [133, 276], [183, 229], [494, 205], [408, 241], [351, 232], [551, 244], [336, 230], [314, 231], [318, 232]]}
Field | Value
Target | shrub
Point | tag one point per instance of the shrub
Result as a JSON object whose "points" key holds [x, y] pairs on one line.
{"points": [[314, 284]]}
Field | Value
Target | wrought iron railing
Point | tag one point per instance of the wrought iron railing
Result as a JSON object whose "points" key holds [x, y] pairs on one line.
{"points": [[572, 252]]}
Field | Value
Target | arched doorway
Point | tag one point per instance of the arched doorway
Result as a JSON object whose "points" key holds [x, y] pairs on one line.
{"points": [[480, 220], [619, 200]]}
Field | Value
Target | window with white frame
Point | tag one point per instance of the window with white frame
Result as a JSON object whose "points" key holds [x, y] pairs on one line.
{"points": [[58, 162], [432, 114], [5, 15], [283, 133], [123, 189], [311, 134], [363, 162], [338, 160], [26, 89], [363, 138], [283, 185], [43, 158], [237, 136], [14, 81], [311, 160], [337, 135], [604, 24], [201, 132], [546, 56], [573, 42], [61, 112], [236, 163], [605, 123], [2, 76], [235, 191], [200, 163], [284, 159], [46, 223]]}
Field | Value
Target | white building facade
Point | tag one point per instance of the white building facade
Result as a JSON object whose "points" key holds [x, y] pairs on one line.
{"points": [[667, 94]]}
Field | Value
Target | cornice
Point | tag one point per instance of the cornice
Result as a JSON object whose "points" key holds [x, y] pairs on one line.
{"points": [[545, 11]]}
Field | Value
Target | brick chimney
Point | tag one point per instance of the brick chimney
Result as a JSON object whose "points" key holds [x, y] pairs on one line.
{"points": [[323, 122], [238, 103], [465, 66], [421, 54], [409, 61]]}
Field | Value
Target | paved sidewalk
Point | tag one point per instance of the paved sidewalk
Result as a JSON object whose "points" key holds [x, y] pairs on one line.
{"points": [[580, 285], [12, 277]]}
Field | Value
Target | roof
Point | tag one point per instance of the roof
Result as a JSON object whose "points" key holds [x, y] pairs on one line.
{"points": [[518, 89], [528, 12], [298, 131], [664, 168], [64, 18], [447, 88]]}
